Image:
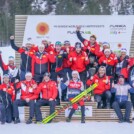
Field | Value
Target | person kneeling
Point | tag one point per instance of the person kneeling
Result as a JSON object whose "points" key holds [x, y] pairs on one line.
{"points": [[74, 87], [121, 99], [49, 91], [28, 97]]}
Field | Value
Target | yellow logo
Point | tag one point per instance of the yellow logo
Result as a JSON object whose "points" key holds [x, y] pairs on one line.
{"points": [[42, 28]]}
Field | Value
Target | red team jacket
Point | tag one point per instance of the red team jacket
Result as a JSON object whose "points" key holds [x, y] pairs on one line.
{"points": [[27, 89], [78, 61], [9, 89], [48, 89], [102, 86]]}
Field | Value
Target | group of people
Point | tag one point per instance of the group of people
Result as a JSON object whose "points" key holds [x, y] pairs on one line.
{"points": [[51, 73]]}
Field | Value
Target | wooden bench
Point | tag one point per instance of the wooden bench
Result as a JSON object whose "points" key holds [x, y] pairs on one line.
{"points": [[107, 115]]}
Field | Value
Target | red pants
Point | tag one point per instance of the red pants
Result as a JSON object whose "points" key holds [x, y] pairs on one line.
{"points": [[75, 105]]}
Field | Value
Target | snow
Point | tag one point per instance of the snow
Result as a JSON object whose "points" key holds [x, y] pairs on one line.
{"points": [[69, 128]]}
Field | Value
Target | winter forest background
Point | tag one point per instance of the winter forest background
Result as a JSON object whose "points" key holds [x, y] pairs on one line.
{"points": [[10, 8]]}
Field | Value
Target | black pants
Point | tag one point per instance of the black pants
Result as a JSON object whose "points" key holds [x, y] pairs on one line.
{"points": [[20, 103], [38, 78], [83, 77], [6, 113], [40, 103], [62, 74], [125, 105], [105, 98]]}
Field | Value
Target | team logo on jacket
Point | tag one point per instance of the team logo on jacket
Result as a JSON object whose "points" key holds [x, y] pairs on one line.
{"points": [[82, 57]]}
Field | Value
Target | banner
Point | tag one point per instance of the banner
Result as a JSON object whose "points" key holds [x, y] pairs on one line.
{"points": [[88, 112], [117, 30]]}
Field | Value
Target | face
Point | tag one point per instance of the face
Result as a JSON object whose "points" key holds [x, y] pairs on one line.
{"points": [[101, 71], [121, 81], [105, 47], [66, 45], [123, 54], [78, 50], [46, 78], [58, 48], [28, 46], [74, 76], [44, 42], [28, 78], [41, 49], [6, 80], [11, 62], [107, 53], [92, 40]]}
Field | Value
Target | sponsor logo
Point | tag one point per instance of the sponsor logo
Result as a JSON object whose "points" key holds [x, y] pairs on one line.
{"points": [[117, 29], [42, 28]]}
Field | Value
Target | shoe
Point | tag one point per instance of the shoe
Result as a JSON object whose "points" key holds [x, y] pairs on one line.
{"points": [[2, 123], [121, 121], [17, 120], [29, 121], [68, 120], [83, 120], [128, 121]]}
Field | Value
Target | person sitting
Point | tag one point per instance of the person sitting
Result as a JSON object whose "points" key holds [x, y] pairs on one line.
{"points": [[102, 91], [121, 90], [28, 97], [49, 91]]}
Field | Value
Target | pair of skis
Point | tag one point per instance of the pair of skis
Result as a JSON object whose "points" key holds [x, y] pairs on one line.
{"points": [[74, 100]]}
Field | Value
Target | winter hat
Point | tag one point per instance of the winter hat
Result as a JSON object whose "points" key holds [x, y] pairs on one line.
{"points": [[10, 58], [28, 74], [107, 50], [5, 75], [41, 46], [29, 40], [47, 74], [66, 42], [78, 45], [76, 72], [121, 76], [106, 44], [124, 50], [58, 43]]}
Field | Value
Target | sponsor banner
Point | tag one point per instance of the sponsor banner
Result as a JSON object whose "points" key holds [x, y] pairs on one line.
{"points": [[88, 111], [117, 30]]}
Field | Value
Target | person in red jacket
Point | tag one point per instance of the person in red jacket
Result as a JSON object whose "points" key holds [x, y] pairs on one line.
{"points": [[25, 58], [8, 87], [28, 97], [78, 60], [109, 60], [49, 91], [41, 63], [102, 91], [91, 47], [123, 63], [67, 48]]}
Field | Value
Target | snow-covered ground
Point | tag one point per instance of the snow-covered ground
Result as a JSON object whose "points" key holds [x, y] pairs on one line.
{"points": [[69, 128]]}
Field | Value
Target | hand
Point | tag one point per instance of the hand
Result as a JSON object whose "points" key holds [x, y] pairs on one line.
{"points": [[50, 99], [12, 37], [27, 99], [91, 78], [34, 85], [95, 64], [86, 58], [78, 28], [16, 80], [67, 50], [51, 52], [107, 80], [70, 59]]}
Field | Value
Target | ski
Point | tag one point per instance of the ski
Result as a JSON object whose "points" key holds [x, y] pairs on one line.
{"points": [[74, 100]]}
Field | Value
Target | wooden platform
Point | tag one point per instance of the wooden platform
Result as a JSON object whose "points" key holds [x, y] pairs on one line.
{"points": [[106, 115]]}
